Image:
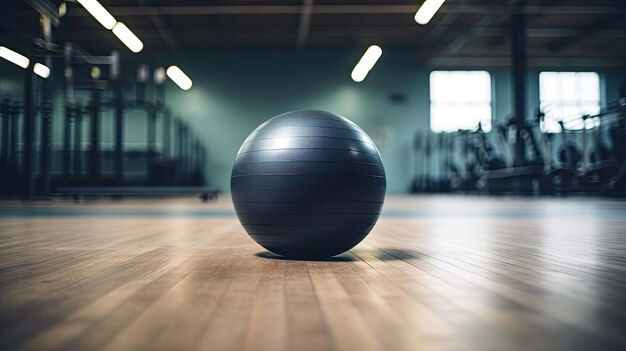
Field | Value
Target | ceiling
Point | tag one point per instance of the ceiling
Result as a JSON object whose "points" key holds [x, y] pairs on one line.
{"points": [[463, 32]]}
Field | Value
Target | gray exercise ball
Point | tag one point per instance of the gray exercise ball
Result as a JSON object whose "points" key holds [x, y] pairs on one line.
{"points": [[308, 184]]}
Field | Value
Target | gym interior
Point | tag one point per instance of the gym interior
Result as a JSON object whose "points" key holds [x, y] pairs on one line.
{"points": [[312, 175]]}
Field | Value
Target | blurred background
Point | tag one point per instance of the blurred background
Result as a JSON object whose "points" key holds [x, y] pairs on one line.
{"points": [[156, 96]]}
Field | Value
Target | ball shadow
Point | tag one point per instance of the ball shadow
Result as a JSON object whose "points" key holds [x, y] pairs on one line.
{"points": [[386, 254], [272, 256], [383, 254]]}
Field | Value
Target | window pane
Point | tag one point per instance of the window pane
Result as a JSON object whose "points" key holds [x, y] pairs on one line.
{"points": [[589, 84], [460, 100], [567, 87], [437, 85]]}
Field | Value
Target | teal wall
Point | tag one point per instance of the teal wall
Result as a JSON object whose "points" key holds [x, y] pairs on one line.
{"points": [[236, 90]]}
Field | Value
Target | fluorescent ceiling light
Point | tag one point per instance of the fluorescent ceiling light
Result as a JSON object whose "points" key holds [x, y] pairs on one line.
{"points": [[179, 77], [366, 63], [127, 37], [41, 70], [14, 57], [427, 11], [99, 13]]}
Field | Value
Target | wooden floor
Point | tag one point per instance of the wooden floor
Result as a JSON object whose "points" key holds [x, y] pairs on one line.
{"points": [[436, 273]]}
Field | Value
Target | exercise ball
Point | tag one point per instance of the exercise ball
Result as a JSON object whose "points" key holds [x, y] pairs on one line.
{"points": [[308, 184]]}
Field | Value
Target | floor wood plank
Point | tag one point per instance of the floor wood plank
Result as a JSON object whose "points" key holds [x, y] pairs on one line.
{"points": [[436, 273]]}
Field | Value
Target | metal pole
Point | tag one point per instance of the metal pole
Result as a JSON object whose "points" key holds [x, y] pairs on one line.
{"points": [[166, 123], [519, 70], [151, 137], [94, 150], [167, 134], [118, 97], [67, 138], [119, 133], [68, 100], [179, 149], [28, 139], [184, 149], [140, 87], [45, 152], [5, 113], [68, 82], [78, 136], [14, 117]]}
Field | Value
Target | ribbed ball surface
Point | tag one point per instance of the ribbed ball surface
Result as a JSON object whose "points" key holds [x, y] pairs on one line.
{"points": [[308, 184]]}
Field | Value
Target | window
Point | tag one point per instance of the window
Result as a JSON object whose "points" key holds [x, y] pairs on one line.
{"points": [[566, 96], [460, 100]]}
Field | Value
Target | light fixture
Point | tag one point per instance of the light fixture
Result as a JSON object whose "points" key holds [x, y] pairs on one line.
{"points": [[14, 57], [41, 70], [179, 77], [159, 75], [427, 11], [95, 72], [127, 37], [366, 63], [62, 9], [142, 73], [99, 13]]}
